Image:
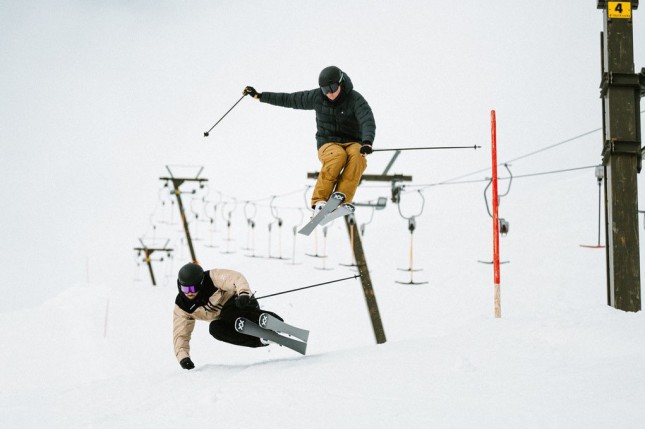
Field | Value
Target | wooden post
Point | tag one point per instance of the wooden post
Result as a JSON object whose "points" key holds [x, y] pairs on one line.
{"points": [[149, 262], [177, 182], [366, 281], [148, 251], [620, 92]]}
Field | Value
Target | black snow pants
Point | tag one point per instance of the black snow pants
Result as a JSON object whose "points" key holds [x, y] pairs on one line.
{"points": [[223, 329]]}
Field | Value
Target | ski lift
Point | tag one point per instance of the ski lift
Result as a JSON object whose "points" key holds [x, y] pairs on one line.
{"points": [[324, 253], [212, 221], [600, 174], [227, 217], [412, 225], [294, 230], [378, 205], [195, 215], [362, 226], [278, 221], [396, 192], [351, 219], [325, 229], [249, 215], [147, 251], [167, 216], [504, 225]]}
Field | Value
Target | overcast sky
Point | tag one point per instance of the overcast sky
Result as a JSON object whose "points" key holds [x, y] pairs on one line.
{"points": [[97, 97]]}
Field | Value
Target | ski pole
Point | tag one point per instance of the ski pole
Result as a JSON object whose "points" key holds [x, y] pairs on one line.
{"points": [[307, 287], [220, 119], [428, 147]]}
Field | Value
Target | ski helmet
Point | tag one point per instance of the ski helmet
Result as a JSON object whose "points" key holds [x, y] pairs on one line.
{"points": [[191, 275], [329, 75]]}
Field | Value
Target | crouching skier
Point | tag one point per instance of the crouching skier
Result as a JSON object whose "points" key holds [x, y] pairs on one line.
{"points": [[217, 295]]}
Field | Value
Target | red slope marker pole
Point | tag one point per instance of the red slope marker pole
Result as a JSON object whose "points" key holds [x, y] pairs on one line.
{"points": [[493, 134]]}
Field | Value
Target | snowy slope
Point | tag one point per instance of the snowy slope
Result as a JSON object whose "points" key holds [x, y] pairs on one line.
{"points": [[101, 356], [580, 368]]}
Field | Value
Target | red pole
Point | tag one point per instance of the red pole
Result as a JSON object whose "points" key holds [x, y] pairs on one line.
{"points": [[493, 134]]}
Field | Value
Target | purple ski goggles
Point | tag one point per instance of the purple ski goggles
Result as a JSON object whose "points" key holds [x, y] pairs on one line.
{"points": [[188, 289]]}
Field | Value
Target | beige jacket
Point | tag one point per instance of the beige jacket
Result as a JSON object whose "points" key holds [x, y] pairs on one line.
{"points": [[229, 283]]}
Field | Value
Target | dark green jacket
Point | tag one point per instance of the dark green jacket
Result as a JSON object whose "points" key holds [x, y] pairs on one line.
{"points": [[347, 119]]}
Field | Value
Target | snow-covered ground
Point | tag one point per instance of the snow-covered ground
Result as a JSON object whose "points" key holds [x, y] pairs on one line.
{"points": [[101, 355]]}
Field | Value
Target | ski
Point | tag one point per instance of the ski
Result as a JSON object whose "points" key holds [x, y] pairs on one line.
{"points": [[344, 210], [268, 321], [245, 326], [334, 201]]}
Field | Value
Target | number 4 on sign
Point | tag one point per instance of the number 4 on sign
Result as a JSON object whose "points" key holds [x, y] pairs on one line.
{"points": [[619, 9]]}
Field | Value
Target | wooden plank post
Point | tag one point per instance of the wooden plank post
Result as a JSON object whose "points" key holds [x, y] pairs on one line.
{"points": [[148, 251], [177, 182], [366, 281], [620, 91]]}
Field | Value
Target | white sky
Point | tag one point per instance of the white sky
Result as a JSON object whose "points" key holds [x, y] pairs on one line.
{"points": [[97, 97]]}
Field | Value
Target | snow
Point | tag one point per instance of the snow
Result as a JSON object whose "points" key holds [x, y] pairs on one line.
{"points": [[583, 369], [101, 356], [98, 99]]}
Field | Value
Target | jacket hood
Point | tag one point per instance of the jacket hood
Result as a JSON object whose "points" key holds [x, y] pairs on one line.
{"points": [[347, 84]]}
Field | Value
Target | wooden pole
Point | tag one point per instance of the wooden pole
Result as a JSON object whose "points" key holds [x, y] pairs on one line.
{"points": [[148, 251], [620, 92], [149, 262], [177, 182], [496, 279], [366, 281]]}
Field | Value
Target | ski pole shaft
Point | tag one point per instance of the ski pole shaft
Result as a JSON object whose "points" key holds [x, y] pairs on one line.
{"points": [[307, 287], [206, 133], [428, 148]]}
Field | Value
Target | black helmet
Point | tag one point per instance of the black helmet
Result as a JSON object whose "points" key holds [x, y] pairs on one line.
{"points": [[190, 275], [329, 75]]}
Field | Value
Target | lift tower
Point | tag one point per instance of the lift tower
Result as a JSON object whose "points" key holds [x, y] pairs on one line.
{"points": [[620, 92]]}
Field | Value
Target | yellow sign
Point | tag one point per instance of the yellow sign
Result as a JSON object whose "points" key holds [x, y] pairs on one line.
{"points": [[619, 9]]}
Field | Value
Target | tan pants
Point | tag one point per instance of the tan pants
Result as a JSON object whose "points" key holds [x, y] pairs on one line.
{"points": [[337, 158]]}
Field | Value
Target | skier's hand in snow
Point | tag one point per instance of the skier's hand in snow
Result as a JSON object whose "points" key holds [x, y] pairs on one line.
{"points": [[249, 90], [186, 363], [366, 148]]}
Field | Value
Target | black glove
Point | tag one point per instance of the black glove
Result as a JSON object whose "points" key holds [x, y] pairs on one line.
{"points": [[186, 363], [249, 90], [366, 148], [244, 300]]}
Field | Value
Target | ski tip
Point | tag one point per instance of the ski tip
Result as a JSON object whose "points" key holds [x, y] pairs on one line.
{"points": [[338, 195], [239, 324]]}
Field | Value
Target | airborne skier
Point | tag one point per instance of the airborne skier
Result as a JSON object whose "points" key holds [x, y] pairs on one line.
{"points": [[345, 131]]}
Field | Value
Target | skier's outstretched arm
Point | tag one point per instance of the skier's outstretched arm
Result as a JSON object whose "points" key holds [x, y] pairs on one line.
{"points": [[303, 100]]}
